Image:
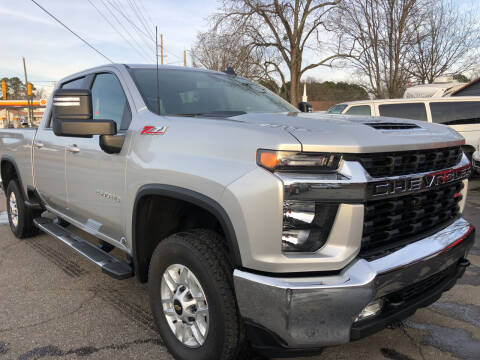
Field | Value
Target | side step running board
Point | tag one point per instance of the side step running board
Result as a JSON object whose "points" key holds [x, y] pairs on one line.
{"points": [[110, 265]]}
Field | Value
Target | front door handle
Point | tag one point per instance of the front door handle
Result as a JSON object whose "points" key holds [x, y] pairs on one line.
{"points": [[38, 145], [73, 149]]}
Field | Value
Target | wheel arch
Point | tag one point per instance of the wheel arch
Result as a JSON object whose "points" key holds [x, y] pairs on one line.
{"points": [[9, 170], [188, 196]]}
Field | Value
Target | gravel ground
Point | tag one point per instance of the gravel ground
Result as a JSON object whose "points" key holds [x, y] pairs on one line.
{"points": [[55, 304]]}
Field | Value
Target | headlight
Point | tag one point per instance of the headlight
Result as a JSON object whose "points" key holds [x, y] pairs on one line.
{"points": [[306, 225], [297, 161]]}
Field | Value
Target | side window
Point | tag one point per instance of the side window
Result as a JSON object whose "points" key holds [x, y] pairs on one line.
{"points": [[109, 101], [456, 113], [337, 109], [74, 84], [359, 110], [413, 111]]}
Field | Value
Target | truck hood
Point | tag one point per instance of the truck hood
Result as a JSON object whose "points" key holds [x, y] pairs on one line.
{"points": [[355, 134]]}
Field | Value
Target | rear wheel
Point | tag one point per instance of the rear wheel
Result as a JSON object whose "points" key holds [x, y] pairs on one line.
{"points": [[19, 216], [192, 297]]}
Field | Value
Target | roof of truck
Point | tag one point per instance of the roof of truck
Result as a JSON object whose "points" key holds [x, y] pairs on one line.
{"points": [[135, 66]]}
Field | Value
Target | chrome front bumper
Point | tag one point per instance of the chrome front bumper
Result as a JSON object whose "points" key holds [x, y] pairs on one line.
{"points": [[318, 311]]}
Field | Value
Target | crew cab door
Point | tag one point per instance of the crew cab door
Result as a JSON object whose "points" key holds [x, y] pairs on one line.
{"points": [[49, 158], [95, 179]]}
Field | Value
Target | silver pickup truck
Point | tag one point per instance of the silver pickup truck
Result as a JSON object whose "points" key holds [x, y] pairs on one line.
{"points": [[254, 224]]}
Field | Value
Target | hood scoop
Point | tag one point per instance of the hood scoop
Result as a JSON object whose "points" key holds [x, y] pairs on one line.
{"points": [[392, 126]]}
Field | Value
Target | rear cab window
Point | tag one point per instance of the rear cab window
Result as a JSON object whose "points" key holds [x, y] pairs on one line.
{"points": [[412, 111], [359, 110], [456, 112]]}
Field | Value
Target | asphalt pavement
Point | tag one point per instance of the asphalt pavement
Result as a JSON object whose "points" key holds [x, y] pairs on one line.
{"points": [[54, 304]]}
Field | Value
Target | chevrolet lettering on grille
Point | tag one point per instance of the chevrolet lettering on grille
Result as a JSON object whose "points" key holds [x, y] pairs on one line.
{"points": [[414, 184]]}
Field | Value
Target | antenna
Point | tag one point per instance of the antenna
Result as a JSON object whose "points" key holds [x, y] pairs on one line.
{"points": [[158, 85]]}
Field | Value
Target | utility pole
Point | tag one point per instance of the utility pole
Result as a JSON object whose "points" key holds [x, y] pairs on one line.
{"points": [[30, 120], [185, 58], [161, 48]]}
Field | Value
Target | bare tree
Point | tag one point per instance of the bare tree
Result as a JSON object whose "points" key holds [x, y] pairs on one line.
{"points": [[379, 35], [217, 51], [285, 28], [447, 41], [41, 93]]}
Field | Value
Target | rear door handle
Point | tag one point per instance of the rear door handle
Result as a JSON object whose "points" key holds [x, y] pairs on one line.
{"points": [[73, 149], [38, 145]]}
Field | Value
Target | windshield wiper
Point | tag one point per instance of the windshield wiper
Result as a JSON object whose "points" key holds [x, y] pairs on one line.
{"points": [[220, 114]]}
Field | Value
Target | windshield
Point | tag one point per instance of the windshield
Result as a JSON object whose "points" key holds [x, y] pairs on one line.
{"points": [[185, 92], [337, 109]]}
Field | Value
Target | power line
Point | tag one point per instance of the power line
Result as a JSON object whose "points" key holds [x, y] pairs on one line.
{"points": [[123, 26], [118, 32], [137, 13], [130, 21], [74, 33], [147, 14]]}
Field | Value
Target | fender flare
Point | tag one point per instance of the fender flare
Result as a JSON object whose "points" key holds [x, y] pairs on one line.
{"points": [[195, 198], [11, 160]]}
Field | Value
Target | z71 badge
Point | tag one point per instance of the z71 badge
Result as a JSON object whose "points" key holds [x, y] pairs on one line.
{"points": [[154, 130]]}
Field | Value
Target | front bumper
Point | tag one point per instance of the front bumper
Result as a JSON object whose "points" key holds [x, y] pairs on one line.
{"points": [[296, 314]]}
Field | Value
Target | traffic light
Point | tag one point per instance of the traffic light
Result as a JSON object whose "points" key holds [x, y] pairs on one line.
{"points": [[4, 89], [29, 89]]}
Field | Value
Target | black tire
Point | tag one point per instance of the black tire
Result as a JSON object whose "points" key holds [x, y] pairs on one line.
{"points": [[24, 227], [203, 252]]}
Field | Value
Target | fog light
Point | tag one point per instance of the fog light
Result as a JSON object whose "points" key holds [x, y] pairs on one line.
{"points": [[370, 310]]}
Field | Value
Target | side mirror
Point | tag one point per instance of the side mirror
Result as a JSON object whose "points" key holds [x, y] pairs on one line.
{"points": [[72, 115], [304, 106], [83, 128], [72, 104]]}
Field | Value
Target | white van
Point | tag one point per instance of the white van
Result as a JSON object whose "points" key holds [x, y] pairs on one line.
{"points": [[462, 113], [476, 159]]}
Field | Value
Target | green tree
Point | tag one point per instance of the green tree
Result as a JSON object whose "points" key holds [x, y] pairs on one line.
{"points": [[16, 88], [335, 91], [461, 78], [270, 84]]}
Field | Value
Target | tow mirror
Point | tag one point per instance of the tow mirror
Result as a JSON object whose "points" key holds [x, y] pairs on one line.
{"points": [[83, 128], [305, 106], [72, 115], [72, 104]]}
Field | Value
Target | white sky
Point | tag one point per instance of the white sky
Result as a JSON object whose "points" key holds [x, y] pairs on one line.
{"points": [[52, 52]]}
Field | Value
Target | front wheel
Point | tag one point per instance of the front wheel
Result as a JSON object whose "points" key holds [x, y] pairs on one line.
{"points": [[19, 216], [192, 297]]}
